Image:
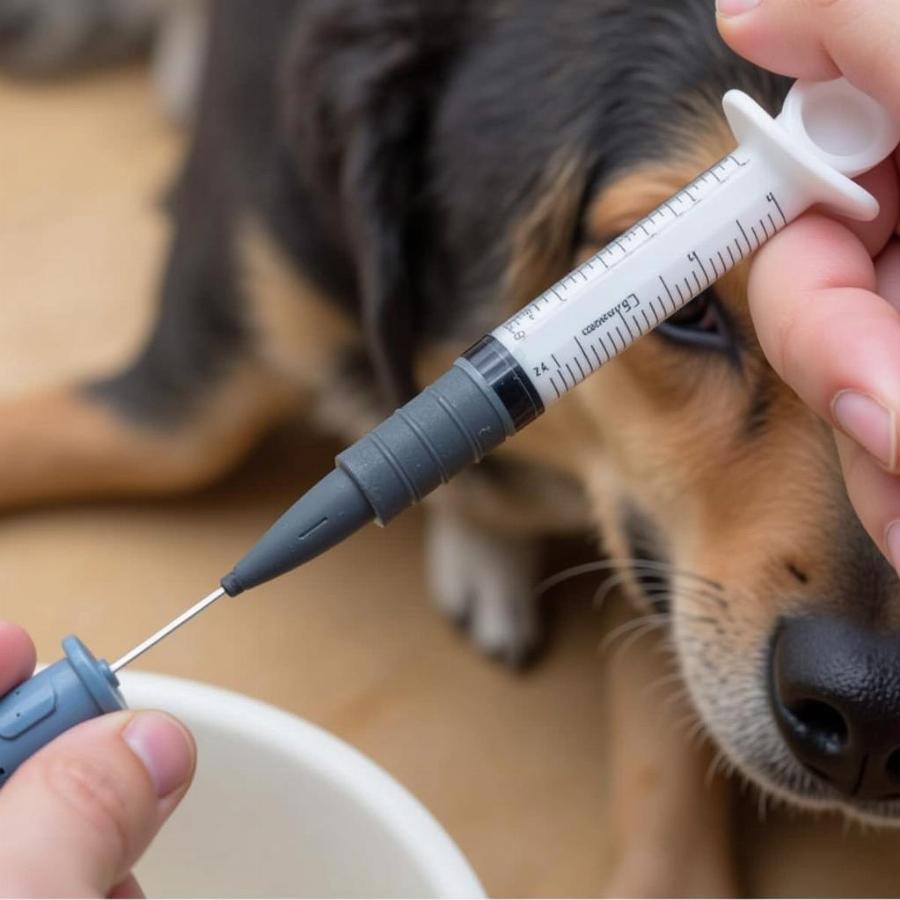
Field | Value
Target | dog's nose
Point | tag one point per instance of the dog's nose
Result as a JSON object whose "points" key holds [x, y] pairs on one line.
{"points": [[836, 698]]}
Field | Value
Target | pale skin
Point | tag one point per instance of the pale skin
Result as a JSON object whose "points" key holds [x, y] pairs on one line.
{"points": [[825, 296], [81, 811]]}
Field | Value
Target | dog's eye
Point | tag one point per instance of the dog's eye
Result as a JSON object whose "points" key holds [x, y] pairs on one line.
{"points": [[700, 324]]}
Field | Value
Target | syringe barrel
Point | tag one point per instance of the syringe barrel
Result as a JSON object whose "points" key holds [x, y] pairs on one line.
{"points": [[59, 697], [647, 274]]}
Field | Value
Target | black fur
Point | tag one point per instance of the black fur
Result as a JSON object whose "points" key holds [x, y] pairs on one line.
{"points": [[392, 145]]}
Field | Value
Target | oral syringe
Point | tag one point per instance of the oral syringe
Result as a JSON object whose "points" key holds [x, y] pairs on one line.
{"points": [[827, 134]]}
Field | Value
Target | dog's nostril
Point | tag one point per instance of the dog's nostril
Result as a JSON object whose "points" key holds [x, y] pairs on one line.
{"points": [[822, 723], [835, 695]]}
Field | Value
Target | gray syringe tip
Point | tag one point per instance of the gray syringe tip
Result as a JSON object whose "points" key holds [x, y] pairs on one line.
{"points": [[453, 423], [324, 516]]}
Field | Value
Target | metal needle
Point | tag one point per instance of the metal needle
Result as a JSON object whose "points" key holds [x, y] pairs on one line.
{"points": [[174, 625]]}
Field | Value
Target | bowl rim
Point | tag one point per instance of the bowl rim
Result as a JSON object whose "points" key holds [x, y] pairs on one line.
{"points": [[330, 757]]}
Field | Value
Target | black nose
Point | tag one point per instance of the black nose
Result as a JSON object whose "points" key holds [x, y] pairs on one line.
{"points": [[836, 697]]}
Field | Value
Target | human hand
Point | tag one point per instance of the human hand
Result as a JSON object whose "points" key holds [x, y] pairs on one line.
{"points": [[825, 295], [78, 814]]}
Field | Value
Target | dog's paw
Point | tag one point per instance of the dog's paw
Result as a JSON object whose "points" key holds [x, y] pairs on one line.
{"points": [[485, 582]]}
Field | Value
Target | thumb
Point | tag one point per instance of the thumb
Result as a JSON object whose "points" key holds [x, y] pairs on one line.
{"points": [[820, 39], [80, 812]]}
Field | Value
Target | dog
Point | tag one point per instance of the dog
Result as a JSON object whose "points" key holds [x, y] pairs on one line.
{"points": [[371, 186]]}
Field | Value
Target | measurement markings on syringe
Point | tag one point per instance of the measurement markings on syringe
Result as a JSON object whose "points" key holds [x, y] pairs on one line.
{"points": [[624, 246], [579, 325], [618, 326]]}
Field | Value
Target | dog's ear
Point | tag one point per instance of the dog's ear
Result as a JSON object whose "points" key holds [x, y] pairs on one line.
{"points": [[362, 76]]}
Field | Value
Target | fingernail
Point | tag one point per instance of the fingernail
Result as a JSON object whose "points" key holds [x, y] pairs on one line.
{"points": [[871, 425], [892, 539], [735, 7], [163, 747]]}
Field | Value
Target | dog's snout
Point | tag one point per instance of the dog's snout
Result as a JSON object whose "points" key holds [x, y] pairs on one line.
{"points": [[835, 692]]}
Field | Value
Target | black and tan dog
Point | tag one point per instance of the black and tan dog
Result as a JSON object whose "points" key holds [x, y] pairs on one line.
{"points": [[375, 183]]}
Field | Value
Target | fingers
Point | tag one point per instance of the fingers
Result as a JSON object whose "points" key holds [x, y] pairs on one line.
{"points": [[875, 496], [820, 39], [828, 333], [81, 811], [16, 656], [827, 318]]}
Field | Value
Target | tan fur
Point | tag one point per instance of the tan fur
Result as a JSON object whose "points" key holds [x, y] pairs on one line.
{"points": [[543, 238], [666, 843], [64, 444]]}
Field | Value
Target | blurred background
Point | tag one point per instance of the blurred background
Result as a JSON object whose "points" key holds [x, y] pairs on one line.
{"points": [[511, 764]]}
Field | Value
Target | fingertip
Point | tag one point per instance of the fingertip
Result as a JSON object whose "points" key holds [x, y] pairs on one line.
{"points": [[776, 37], [875, 495], [17, 655], [165, 748], [733, 9]]}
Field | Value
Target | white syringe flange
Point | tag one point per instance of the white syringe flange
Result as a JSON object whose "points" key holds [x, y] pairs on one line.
{"points": [[827, 133]]}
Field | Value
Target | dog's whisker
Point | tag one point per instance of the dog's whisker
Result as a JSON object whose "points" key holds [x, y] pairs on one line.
{"points": [[716, 764], [698, 736], [664, 681], [634, 637], [673, 698], [608, 586], [655, 620], [604, 565]]}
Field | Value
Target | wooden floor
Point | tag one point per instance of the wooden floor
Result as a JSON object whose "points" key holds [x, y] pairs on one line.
{"points": [[512, 766]]}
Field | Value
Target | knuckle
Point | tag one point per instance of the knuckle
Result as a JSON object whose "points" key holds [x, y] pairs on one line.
{"points": [[93, 797]]}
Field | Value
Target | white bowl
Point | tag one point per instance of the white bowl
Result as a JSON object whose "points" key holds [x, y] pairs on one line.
{"points": [[280, 808]]}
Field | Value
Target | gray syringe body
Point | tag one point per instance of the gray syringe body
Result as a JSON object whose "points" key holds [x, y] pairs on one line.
{"points": [[481, 401]]}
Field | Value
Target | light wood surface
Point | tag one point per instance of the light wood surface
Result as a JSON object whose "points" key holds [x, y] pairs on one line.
{"points": [[511, 765]]}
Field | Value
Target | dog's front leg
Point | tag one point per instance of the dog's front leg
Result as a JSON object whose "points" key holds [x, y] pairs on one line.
{"points": [[484, 580], [72, 443], [190, 404], [671, 818]]}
